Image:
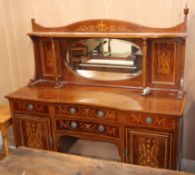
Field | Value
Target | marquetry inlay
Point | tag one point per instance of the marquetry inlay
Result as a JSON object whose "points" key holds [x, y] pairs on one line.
{"points": [[85, 111], [36, 107], [102, 26], [157, 121], [87, 127], [148, 149], [164, 62], [48, 60], [34, 134]]}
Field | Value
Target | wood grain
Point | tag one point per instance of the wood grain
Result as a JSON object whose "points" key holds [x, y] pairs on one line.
{"points": [[117, 98], [37, 162]]}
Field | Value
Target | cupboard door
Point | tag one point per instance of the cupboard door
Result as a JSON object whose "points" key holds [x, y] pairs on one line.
{"points": [[33, 132], [149, 148]]}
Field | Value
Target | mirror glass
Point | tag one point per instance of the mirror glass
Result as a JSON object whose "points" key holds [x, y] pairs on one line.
{"points": [[105, 59]]}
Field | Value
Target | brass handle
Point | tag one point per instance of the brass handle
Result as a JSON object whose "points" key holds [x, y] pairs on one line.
{"points": [[72, 110], [100, 114], [73, 125], [148, 120], [101, 128], [30, 107]]}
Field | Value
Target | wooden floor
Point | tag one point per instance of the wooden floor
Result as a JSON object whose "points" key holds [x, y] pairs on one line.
{"points": [[2, 155]]}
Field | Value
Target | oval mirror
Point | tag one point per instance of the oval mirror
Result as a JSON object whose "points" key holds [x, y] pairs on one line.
{"points": [[105, 59]]}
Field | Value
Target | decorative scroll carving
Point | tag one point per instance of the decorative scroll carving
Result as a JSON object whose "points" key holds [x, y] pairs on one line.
{"points": [[34, 135], [87, 127], [85, 112], [37, 107], [158, 122], [148, 151], [102, 26]]}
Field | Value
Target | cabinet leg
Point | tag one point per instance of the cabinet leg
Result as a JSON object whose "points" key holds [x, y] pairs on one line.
{"points": [[5, 142]]}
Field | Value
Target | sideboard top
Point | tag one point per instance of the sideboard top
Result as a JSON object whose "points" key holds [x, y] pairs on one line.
{"points": [[117, 98]]}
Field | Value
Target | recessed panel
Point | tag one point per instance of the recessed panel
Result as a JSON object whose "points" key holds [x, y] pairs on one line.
{"points": [[163, 62]]}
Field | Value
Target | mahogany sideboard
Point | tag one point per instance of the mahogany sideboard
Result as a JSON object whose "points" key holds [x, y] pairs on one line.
{"points": [[135, 102]]}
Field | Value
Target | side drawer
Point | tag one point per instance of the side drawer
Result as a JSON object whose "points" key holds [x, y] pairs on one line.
{"points": [[30, 107], [148, 120]]}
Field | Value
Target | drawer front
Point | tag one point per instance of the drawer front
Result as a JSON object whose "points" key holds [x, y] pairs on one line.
{"points": [[30, 107], [151, 121], [86, 111], [87, 127]]}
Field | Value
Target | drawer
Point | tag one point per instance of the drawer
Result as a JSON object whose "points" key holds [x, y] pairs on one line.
{"points": [[151, 120], [30, 107], [86, 111], [87, 127]]}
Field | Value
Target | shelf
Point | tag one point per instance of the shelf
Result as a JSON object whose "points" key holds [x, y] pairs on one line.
{"points": [[108, 35]]}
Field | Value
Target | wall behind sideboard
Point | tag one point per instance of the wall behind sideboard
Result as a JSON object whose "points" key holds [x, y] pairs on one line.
{"points": [[16, 51]]}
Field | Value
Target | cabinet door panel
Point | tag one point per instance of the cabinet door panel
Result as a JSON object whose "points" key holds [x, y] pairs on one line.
{"points": [[34, 132], [149, 148]]}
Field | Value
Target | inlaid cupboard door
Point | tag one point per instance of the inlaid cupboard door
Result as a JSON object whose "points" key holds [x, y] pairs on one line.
{"points": [[33, 131], [149, 148]]}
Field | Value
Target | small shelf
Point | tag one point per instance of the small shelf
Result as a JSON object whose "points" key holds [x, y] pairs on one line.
{"points": [[109, 35]]}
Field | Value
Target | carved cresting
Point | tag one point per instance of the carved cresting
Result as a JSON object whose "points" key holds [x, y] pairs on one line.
{"points": [[148, 152], [102, 26], [34, 135]]}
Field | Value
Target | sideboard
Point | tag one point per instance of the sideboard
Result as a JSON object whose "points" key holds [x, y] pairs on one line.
{"points": [[105, 80]]}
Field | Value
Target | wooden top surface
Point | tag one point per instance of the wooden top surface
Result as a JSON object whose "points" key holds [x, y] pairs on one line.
{"points": [[4, 114], [27, 161], [117, 98]]}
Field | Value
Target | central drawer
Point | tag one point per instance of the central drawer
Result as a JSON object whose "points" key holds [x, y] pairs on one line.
{"points": [[88, 112], [92, 128]]}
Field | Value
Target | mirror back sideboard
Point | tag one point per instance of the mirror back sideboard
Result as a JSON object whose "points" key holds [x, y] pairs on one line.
{"points": [[141, 115]]}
